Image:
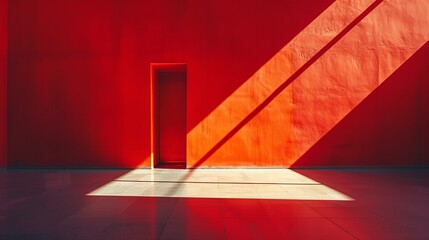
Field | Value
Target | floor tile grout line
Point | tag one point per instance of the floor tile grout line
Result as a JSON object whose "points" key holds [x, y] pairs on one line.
{"points": [[161, 233], [330, 220]]}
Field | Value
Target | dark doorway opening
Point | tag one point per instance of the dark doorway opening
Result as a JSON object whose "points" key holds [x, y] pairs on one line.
{"points": [[169, 115]]}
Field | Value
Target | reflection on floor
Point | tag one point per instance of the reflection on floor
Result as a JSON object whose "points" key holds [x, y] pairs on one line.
{"points": [[180, 204]]}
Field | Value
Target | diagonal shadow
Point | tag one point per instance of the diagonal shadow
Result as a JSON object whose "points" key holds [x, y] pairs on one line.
{"points": [[286, 83], [276, 92], [388, 128]]}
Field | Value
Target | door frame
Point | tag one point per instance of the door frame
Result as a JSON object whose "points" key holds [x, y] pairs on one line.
{"points": [[155, 68]]}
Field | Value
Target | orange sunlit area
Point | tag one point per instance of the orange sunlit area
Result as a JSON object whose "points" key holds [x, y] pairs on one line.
{"points": [[310, 85], [214, 119]]}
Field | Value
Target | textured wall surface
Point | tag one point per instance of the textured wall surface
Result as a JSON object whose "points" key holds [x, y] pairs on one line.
{"points": [[316, 80], [3, 80], [277, 83]]}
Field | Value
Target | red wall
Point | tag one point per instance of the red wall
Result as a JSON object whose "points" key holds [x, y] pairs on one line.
{"points": [[266, 80], [3, 80]]}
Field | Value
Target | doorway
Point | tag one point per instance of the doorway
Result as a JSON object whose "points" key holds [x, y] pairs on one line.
{"points": [[169, 115]]}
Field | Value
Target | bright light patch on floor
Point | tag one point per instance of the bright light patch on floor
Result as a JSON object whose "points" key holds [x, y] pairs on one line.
{"points": [[219, 183]]}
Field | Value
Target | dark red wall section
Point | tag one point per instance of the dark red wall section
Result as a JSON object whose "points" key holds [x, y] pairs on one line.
{"points": [[267, 81], [3, 81]]}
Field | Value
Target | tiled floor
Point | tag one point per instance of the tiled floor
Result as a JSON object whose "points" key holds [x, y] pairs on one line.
{"points": [[215, 204]]}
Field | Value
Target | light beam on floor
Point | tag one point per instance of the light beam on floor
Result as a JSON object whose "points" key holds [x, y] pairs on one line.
{"points": [[283, 184]]}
